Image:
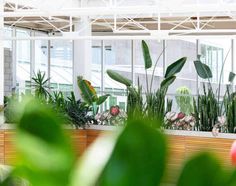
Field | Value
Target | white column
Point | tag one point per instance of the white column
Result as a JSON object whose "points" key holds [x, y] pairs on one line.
{"points": [[1, 55], [82, 57]]}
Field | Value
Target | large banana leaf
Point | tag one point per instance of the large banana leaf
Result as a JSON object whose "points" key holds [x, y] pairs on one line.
{"points": [[231, 77], [135, 157], [146, 55], [202, 170], [167, 82], [119, 78], [102, 99], [175, 67], [203, 70], [88, 92]]}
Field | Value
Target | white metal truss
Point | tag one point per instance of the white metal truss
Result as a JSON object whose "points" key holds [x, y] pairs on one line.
{"points": [[163, 19]]}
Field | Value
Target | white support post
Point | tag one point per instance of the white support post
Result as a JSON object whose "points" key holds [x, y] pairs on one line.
{"points": [[14, 59], [82, 53], [198, 51], [1, 55], [32, 55], [133, 61]]}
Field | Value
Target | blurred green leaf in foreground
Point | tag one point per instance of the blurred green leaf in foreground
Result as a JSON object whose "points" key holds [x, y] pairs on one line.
{"points": [[133, 156]]}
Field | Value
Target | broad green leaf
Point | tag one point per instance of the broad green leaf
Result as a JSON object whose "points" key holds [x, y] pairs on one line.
{"points": [[102, 149], [43, 149], [231, 77], [232, 179], [146, 55], [138, 158], [102, 99], [202, 170], [175, 67], [88, 92], [203, 70], [119, 78], [167, 82]]}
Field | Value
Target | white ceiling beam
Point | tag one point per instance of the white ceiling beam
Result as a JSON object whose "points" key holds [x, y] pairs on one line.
{"points": [[203, 10]]}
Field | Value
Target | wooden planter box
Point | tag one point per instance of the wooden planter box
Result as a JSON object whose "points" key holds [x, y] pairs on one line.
{"points": [[182, 145]]}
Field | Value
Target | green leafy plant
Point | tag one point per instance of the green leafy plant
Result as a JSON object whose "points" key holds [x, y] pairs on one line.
{"points": [[136, 155], [208, 107], [78, 112], [205, 109], [89, 94], [184, 100], [40, 85], [154, 107]]}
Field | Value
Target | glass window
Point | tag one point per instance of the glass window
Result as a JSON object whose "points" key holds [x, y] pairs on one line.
{"points": [[23, 61], [156, 51], [41, 54], [96, 65], [176, 49], [8, 34], [61, 65], [186, 79], [117, 58], [217, 55]]}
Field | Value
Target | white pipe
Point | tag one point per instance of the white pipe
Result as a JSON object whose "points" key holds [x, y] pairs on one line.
{"points": [[126, 10], [146, 37]]}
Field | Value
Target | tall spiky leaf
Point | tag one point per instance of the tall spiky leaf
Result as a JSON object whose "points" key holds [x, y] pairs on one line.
{"points": [[146, 55]]}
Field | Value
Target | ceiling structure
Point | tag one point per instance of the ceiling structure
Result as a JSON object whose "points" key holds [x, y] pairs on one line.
{"points": [[157, 18]]}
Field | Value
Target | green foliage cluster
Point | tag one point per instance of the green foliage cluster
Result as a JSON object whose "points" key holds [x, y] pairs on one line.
{"points": [[155, 103], [136, 155], [230, 110], [205, 109], [208, 107], [68, 108]]}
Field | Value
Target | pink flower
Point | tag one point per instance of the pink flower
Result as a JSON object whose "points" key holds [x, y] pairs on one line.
{"points": [[181, 115], [114, 110]]}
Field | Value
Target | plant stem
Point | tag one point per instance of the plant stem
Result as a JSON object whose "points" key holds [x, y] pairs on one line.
{"points": [[154, 69]]}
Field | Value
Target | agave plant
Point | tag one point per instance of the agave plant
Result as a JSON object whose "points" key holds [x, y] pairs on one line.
{"points": [[40, 85], [89, 94]]}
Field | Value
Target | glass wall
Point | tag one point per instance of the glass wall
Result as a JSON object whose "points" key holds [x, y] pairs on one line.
{"points": [[61, 63], [125, 57], [156, 52], [216, 53], [23, 61], [117, 58], [41, 55]]}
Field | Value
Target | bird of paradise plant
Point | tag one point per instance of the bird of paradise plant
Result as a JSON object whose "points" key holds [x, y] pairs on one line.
{"points": [[89, 94]]}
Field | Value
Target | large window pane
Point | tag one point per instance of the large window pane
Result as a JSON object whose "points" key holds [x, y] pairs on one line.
{"points": [[96, 65], [217, 55], [61, 65], [41, 54], [117, 58], [156, 51], [23, 61], [186, 79]]}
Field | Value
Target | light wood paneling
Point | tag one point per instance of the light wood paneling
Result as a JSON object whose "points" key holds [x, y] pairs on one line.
{"points": [[180, 148]]}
